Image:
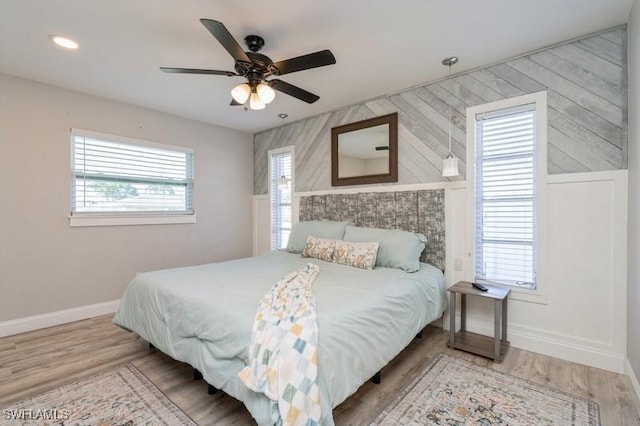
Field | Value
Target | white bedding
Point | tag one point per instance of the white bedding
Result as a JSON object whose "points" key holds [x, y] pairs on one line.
{"points": [[203, 315]]}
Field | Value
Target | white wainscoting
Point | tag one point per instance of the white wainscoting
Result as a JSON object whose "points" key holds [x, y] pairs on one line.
{"points": [[635, 385], [36, 322], [633, 378], [582, 315]]}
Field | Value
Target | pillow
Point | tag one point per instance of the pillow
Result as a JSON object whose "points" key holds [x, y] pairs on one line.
{"points": [[319, 248], [319, 228], [361, 255], [398, 249]]}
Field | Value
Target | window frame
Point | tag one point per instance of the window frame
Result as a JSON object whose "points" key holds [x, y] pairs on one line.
{"points": [[270, 154], [82, 219], [539, 294]]}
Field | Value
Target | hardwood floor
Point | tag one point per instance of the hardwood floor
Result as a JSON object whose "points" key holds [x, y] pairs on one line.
{"points": [[34, 362]]}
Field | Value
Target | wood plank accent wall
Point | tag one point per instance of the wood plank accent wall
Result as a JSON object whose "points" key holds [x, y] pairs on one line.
{"points": [[586, 82]]}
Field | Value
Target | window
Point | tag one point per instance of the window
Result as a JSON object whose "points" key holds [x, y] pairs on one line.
{"points": [[506, 172], [280, 195], [116, 176]]}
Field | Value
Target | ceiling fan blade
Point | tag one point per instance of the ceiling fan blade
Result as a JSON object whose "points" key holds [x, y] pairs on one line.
{"points": [[234, 102], [197, 71], [220, 32], [294, 91], [305, 62]]}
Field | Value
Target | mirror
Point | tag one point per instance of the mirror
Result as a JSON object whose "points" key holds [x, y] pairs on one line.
{"points": [[365, 151]]}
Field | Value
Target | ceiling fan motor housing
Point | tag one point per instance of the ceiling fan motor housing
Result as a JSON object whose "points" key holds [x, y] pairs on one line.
{"points": [[261, 66], [254, 42]]}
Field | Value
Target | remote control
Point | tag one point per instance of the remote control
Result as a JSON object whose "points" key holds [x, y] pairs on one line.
{"points": [[480, 287]]}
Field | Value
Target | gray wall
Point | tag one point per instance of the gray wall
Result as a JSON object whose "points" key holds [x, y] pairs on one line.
{"points": [[633, 235], [46, 266], [586, 83]]}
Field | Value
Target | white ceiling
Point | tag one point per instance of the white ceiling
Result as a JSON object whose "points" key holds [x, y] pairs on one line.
{"points": [[380, 46]]}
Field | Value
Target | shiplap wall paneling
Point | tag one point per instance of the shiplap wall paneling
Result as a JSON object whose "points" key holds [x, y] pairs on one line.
{"points": [[587, 115]]}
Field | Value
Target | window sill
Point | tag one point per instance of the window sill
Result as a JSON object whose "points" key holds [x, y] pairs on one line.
{"points": [[523, 294], [91, 220]]}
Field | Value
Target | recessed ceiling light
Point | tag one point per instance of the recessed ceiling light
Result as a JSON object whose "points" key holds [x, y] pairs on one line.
{"points": [[65, 42]]}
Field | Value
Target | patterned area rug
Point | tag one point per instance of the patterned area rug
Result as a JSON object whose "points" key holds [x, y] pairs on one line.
{"points": [[452, 391], [122, 396]]}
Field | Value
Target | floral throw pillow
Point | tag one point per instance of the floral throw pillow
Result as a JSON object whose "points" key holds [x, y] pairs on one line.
{"points": [[358, 254], [319, 248]]}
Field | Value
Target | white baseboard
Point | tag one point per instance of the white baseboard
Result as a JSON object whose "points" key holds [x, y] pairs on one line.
{"points": [[558, 348], [634, 383], [551, 344], [22, 325]]}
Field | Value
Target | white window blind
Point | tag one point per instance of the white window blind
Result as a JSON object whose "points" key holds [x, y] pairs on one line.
{"points": [[505, 196], [112, 175], [281, 194]]}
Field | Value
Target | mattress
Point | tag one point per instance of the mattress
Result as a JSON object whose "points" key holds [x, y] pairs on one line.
{"points": [[203, 315]]}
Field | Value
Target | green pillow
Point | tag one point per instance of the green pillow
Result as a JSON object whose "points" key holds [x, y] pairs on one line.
{"points": [[398, 249], [318, 228]]}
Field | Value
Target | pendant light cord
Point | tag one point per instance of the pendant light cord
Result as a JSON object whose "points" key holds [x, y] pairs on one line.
{"points": [[450, 152]]}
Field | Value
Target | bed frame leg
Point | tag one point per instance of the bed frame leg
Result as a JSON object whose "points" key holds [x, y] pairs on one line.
{"points": [[197, 375], [211, 390], [376, 378]]}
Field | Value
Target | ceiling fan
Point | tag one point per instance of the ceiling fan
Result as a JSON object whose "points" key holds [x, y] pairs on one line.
{"points": [[256, 68]]}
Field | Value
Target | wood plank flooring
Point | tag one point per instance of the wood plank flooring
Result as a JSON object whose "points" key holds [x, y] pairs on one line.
{"points": [[34, 362]]}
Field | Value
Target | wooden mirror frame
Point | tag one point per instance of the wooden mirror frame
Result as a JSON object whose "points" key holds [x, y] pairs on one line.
{"points": [[391, 176]]}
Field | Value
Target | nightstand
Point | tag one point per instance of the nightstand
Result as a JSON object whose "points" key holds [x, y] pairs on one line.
{"points": [[494, 348]]}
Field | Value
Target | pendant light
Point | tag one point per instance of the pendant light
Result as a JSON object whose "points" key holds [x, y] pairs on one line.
{"points": [[283, 183], [450, 163]]}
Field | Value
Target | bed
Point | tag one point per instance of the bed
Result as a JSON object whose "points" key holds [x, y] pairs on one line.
{"points": [[203, 315]]}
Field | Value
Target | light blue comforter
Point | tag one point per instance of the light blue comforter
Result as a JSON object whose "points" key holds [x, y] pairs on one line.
{"points": [[203, 315]]}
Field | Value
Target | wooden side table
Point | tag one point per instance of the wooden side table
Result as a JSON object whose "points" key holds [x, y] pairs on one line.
{"points": [[494, 348]]}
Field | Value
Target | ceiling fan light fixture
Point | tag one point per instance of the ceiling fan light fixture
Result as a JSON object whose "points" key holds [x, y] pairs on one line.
{"points": [[266, 93], [241, 93], [255, 102]]}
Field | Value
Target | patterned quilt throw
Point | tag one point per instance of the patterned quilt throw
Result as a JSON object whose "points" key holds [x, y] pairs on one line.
{"points": [[283, 355]]}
